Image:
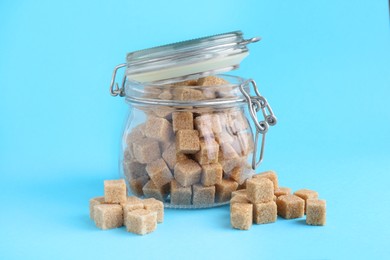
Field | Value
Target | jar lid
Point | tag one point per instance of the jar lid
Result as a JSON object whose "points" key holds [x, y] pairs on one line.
{"points": [[188, 59]]}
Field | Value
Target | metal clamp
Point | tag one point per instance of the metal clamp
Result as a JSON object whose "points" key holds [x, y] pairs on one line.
{"points": [[117, 91], [255, 103]]}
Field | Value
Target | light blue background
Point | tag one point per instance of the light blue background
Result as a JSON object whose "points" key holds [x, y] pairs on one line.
{"points": [[323, 65]]}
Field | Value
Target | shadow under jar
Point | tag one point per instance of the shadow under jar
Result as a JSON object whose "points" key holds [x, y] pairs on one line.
{"points": [[189, 143]]}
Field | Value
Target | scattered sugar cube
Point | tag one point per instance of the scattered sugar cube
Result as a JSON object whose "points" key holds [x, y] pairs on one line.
{"points": [[202, 195], [93, 202], [187, 141], [137, 184], [239, 199], [159, 172], [260, 190], [306, 194], [315, 212], [187, 172], [271, 175], [182, 121], [132, 203], [208, 153], [180, 195], [150, 190], [282, 191], [155, 205], [241, 174], [241, 215], [239, 193], [141, 221], [115, 191], [146, 151], [211, 174], [108, 216], [223, 190], [264, 213], [159, 129], [290, 206]]}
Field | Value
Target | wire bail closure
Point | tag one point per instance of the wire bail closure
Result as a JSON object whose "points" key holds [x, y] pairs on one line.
{"points": [[117, 91], [255, 104]]}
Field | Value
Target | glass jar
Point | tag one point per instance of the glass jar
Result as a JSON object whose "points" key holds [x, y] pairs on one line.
{"points": [[188, 139]]}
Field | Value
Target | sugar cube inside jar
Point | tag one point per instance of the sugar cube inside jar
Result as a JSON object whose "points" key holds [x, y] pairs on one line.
{"points": [[189, 140]]}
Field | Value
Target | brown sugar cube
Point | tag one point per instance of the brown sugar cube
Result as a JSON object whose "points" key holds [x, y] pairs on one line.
{"points": [[290, 206], [165, 95], [315, 212], [182, 121], [237, 121], [92, 203], [131, 204], [306, 194], [275, 198], [246, 142], [239, 193], [187, 141], [156, 206], [150, 190], [260, 190], [187, 172], [108, 216], [180, 195], [211, 174], [141, 221], [185, 94], [211, 81], [228, 152], [224, 137], [115, 191], [282, 191], [159, 172], [271, 175], [241, 215], [159, 129], [204, 125], [136, 134], [223, 190], [264, 213], [146, 151], [136, 185], [241, 174], [239, 199], [133, 169], [229, 164], [162, 112], [169, 156], [202, 195], [190, 82], [209, 150]]}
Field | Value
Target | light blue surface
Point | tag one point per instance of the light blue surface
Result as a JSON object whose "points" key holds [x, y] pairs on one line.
{"points": [[323, 65]]}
